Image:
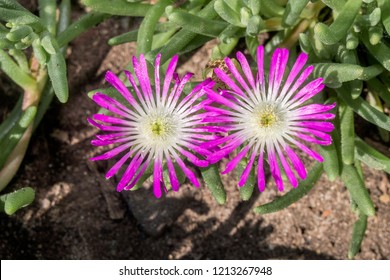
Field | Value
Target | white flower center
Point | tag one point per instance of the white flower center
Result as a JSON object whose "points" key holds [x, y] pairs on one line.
{"points": [[160, 129], [267, 121]]}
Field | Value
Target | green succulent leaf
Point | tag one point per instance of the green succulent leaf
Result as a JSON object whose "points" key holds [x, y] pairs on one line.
{"points": [[270, 8], [11, 119], [12, 202], [12, 138], [370, 156], [15, 14], [341, 25], [213, 181], [384, 5], [255, 25], [196, 24], [148, 25], [347, 133], [365, 110], [246, 190], [229, 11], [118, 7], [359, 228], [181, 41], [56, 68], [81, 25], [293, 11], [381, 52], [14, 72], [47, 14], [343, 72], [294, 195], [331, 161], [357, 189]]}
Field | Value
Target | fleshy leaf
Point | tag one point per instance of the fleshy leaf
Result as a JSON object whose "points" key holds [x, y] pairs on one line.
{"points": [[12, 202], [359, 228], [357, 189], [370, 156], [12, 138], [294, 195], [213, 181], [246, 190], [341, 25], [365, 110], [56, 67], [293, 11], [347, 132], [118, 7]]}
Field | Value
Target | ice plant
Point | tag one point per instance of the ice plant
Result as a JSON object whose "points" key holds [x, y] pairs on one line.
{"points": [[156, 128], [268, 115]]}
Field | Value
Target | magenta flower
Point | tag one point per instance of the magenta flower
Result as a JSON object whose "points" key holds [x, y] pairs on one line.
{"points": [[155, 128], [267, 116]]}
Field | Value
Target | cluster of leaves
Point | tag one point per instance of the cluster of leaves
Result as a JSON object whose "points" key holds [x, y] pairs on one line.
{"points": [[347, 42], [40, 73]]}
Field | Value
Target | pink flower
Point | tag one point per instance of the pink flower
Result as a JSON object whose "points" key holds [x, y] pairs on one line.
{"points": [[155, 129], [267, 116]]}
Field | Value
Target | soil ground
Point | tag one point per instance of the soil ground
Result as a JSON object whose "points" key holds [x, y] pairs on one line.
{"points": [[77, 214]]}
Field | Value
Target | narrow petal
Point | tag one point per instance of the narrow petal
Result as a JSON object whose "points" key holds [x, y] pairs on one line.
{"points": [[190, 175], [110, 104], [236, 73], [307, 150], [322, 126], [260, 65], [247, 170], [114, 169], [110, 119], [141, 71], [130, 171], [275, 171], [246, 68], [287, 169], [234, 162], [260, 172], [112, 153], [302, 78], [172, 174], [140, 172], [157, 78], [120, 86], [228, 81], [168, 77], [192, 158], [298, 65], [314, 109], [296, 162], [218, 98], [157, 178], [217, 156]]}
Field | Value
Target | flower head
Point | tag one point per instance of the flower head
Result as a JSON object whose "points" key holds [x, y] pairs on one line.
{"points": [[267, 116], [156, 127]]}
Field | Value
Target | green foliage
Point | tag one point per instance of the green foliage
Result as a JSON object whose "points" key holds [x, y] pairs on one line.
{"points": [[347, 42]]}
